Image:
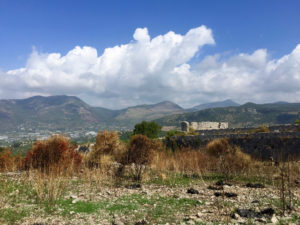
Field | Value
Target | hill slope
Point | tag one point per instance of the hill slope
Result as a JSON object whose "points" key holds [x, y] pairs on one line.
{"points": [[69, 112], [225, 103], [246, 115], [54, 112], [133, 115]]}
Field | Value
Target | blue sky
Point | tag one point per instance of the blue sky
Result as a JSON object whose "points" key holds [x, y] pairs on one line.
{"points": [[57, 26]]}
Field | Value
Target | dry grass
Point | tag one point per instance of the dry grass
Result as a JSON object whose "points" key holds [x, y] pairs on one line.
{"points": [[48, 187], [186, 161]]}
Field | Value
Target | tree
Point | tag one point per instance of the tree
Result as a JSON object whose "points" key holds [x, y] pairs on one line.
{"points": [[149, 129]]}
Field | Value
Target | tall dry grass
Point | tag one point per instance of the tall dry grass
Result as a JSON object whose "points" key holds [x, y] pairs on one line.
{"points": [[49, 186], [186, 161]]}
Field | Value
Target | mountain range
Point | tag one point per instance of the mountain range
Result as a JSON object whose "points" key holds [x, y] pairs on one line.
{"points": [[71, 113]]}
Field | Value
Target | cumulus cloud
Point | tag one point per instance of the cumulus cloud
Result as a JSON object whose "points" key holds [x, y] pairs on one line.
{"points": [[151, 70]]}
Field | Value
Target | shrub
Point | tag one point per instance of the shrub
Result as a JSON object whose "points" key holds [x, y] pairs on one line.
{"points": [[8, 162], [56, 152], [149, 129], [230, 159], [107, 143], [140, 153], [262, 129], [218, 147]]}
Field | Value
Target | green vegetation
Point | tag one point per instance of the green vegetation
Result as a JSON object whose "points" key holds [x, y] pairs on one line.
{"points": [[149, 129], [247, 115], [12, 215]]}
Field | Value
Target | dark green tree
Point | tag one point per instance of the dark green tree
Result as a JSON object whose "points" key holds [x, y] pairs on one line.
{"points": [[149, 129]]}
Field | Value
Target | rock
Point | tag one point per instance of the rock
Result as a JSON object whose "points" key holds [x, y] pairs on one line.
{"points": [[256, 185], [268, 212], [226, 194], [199, 214], [274, 219], [192, 191], [255, 202], [216, 188], [222, 183], [230, 195], [133, 186], [75, 201], [73, 196], [117, 222], [248, 213], [191, 222], [141, 222], [72, 212]]}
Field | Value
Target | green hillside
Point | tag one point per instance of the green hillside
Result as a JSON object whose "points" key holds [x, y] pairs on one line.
{"points": [[246, 115]]}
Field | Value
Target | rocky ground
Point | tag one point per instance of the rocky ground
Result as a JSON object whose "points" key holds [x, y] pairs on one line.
{"points": [[194, 202]]}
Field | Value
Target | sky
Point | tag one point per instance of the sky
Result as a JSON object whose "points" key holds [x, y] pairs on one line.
{"points": [[118, 53]]}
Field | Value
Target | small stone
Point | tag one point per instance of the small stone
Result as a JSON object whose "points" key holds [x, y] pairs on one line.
{"points": [[141, 222], [192, 191], [230, 195], [72, 212], [274, 219], [199, 214], [216, 188], [256, 185], [255, 202], [117, 222], [191, 222], [75, 200], [268, 211]]}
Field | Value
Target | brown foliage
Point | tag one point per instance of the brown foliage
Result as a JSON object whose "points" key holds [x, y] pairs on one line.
{"points": [[8, 162], [230, 159], [57, 151], [141, 150], [218, 147], [107, 144]]}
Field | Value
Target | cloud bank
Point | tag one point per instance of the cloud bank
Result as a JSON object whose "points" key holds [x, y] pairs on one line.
{"points": [[151, 70]]}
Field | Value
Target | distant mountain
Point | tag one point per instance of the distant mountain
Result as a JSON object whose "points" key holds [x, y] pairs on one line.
{"points": [[65, 113], [69, 112], [54, 112], [138, 113], [246, 115], [210, 105]]}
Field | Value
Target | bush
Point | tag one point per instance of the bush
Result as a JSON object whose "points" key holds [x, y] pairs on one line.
{"points": [[8, 162], [55, 152], [262, 129], [107, 144], [149, 129], [230, 159], [140, 153], [218, 147]]}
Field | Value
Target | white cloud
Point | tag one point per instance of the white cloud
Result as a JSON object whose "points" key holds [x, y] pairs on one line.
{"points": [[151, 70]]}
